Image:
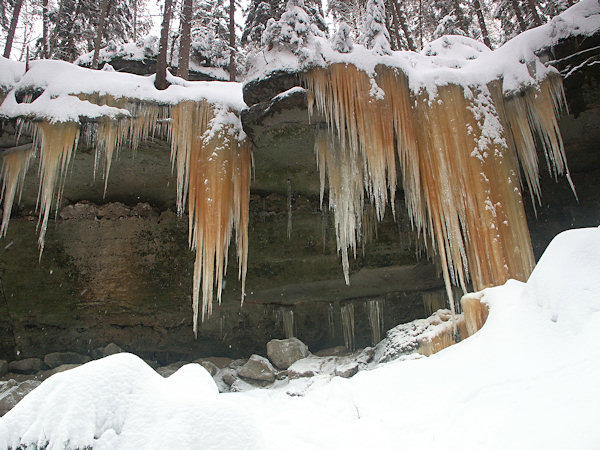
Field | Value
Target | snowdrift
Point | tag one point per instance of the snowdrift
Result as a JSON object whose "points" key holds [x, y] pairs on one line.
{"points": [[527, 379]]}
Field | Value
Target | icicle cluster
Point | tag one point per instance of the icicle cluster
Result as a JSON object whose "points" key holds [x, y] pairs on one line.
{"points": [[209, 151], [458, 156]]}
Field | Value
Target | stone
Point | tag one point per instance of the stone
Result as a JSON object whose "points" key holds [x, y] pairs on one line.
{"points": [[144, 210], [80, 210], [228, 376], [307, 367], [285, 352], [208, 365], [3, 367], [152, 363], [113, 211], [56, 359], [340, 350], [347, 370], [12, 392], [27, 366], [258, 368], [63, 368], [111, 349], [219, 361], [167, 371]]}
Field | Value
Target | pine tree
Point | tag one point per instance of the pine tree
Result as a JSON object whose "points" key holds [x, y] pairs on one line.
{"points": [[342, 39], [210, 34], [12, 27], [161, 61], [374, 34], [258, 14], [294, 30]]}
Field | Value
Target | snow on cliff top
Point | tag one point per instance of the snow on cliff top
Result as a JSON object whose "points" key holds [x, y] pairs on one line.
{"points": [[449, 59], [528, 379]]}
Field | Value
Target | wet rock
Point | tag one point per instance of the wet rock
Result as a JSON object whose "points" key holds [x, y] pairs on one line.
{"points": [[208, 365], [347, 370], [144, 210], [167, 371], [12, 392], [154, 364], [80, 210], [111, 349], [285, 352], [112, 211], [62, 368], [228, 376], [340, 350], [3, 367], [26, 366], [56, 359], [258, 368]]}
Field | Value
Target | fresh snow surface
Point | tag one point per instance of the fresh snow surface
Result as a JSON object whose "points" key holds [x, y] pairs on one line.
{"points": [[449, 59], [10, 72], [528, 379], [62, 81]]}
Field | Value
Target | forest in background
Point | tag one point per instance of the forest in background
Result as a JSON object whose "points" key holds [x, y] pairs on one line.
{"points": [[206, 32]]}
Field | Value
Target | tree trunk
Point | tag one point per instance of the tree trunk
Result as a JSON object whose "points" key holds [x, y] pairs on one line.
{"points": [[183, 65], [402, 21], [161, 61], [484, 31], [232, 69], [519, 14], [12, 28], [44, 28], [135, 10], [537, 21], [460, 18], [100, 31], [56, 28], [69, 49]]}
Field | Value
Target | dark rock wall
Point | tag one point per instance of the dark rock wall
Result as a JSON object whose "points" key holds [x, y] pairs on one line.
{"points": [[117, 268]]}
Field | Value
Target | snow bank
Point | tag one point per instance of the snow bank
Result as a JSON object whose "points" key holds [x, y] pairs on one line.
{"points": [[450, 59], [120, 402], [10, 73], [62, 81], [528, 379]]}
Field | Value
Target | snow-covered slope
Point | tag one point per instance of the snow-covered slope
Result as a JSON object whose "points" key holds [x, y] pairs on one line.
{"points": [[528, 379]]}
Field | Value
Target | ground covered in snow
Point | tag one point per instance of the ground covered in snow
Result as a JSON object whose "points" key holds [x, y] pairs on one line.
{"points": [[528, 379]]}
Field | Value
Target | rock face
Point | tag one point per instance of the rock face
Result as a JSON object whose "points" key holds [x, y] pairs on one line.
{"points": [[3, 367], [27, 366], [258, 368], [117, 268], [11, 393], [285, 352], [56, 359]]}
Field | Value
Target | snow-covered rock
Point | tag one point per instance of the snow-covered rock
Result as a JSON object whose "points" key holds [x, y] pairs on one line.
{"points": [[285, 352], [258, 368]]}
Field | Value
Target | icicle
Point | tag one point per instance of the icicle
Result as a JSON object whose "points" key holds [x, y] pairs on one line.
{"points": [[330, 320], [375, 315], [289, 209], [433, 301], [458, 163], [284, 319], [347, 313], [57, 143], [15, 163], [213, 173]]}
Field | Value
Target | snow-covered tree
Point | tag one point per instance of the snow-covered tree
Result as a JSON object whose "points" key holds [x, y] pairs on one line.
{"points": [[210, 33], [374, 34], [293, 30], [342, 39], [451, 17], [258, 14]]}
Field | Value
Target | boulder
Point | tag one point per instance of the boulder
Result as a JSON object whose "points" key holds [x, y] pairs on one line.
{"points": [[28, 365], [258, 368], [167, 371], [12, 392], [111, 349], [285, 352], [56, 359], [62, 368], [112, 211], [208, 365], [3, 367], [347, 370], [80, 210]]}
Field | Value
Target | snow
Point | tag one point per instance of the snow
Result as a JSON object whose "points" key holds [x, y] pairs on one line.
{"points": [[527, 379], [450, 59], [62, 81], [10, 73]]}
